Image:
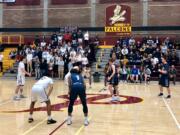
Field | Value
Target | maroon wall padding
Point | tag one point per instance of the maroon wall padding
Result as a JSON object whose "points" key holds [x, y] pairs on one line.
{"points": [[116, 1], [24, 3], [165, 0], [59, 2]]}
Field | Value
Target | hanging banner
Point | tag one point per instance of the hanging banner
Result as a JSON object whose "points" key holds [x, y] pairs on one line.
{"points": [[118, 20]]}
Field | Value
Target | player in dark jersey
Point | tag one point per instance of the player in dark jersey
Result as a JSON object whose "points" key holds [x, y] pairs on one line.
{"points": [[113, 80], [164, 77], [77, 88]]}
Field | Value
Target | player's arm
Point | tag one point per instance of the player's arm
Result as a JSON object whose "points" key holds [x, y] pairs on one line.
{"points": [[164, 71], [25, 72], [50, 90]]}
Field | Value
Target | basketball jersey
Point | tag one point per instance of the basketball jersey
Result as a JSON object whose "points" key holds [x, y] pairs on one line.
{"points": [[20, 67], [76, 79], [165, 67], [111, 71], [44, 82]]}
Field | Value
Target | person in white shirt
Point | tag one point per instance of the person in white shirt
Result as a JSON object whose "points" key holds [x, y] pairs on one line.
{"points": [[154, 61], [43, 43], [29, 58], [86, 38], [39, 90], [124, 51], [60, 67], [1, 62], [20, 80]]}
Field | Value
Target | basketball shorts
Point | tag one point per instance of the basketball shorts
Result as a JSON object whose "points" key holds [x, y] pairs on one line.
{"points": [[38, 92], [164, 82], [20, 80], [114, 80]]}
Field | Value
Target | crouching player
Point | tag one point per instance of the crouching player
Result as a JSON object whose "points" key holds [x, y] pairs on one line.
{"points": [[39, 90]]}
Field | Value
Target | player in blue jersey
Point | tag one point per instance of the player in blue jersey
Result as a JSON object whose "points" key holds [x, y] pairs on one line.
{"points": [[77, 88]]}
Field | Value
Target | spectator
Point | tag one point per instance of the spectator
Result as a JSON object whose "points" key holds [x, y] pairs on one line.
{"points": [[147, 74], [51, 67], [12, 54], [67, 37], [164, 49], [60, 67], [1, 62], [86, 38], [173, 73], [37, 68], [134, 74], [80, 37], [128, 74], [124, 73], [54, 39], [44, 67], [124, 51], [87, 74], [29, 59]]}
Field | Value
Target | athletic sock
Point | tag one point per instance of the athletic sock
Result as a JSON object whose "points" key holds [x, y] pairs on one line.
{"points": [[30, 116], [49, 117]]}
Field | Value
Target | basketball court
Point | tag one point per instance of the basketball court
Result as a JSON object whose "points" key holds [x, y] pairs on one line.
{"points": [[139, 112]]}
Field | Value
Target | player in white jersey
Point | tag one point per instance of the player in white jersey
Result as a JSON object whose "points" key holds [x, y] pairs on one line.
{"points": [[20, 80], [39, 90]]}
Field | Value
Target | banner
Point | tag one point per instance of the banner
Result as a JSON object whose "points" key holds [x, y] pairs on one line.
{"points": [[118, 20]]}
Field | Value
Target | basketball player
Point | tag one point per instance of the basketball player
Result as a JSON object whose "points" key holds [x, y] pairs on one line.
{"points": [[39, 90], [164, 78], [20, 80], [113, 80], [77, 88]]}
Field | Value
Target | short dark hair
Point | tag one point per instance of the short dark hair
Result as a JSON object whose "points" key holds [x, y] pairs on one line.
{"points": [[164, 57], [21, 58]]}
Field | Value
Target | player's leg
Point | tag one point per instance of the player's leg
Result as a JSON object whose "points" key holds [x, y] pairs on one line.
{"points": [[21, 87], [50, 120], [16, 97], [19, 83], [167, 86], [161, 84], [72, 98], [161, 90], [169, 92], [31, 112], [34, 95], [44, 98], [116, 91], [82, 95]]}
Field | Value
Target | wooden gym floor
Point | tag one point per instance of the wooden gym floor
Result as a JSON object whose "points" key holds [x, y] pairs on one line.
{"points": [[140, 111]]}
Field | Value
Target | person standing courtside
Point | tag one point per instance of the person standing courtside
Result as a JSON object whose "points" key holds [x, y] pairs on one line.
{"points": [[39, 90], [20, 79], [77, 88], [164, 77], [113, 80]]}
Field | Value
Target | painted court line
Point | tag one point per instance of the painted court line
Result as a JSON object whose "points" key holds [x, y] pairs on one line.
{"points": [[81, 128], [58, 127], [172, 114], [6, 102], [29, 130]]}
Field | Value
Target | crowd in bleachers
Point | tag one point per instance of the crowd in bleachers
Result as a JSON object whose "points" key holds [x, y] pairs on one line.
{"points": [[140, 59], [57, 56]]}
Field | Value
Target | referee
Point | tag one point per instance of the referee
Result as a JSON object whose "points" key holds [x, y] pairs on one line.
{"points": [[77, 88], [164, 77]]}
